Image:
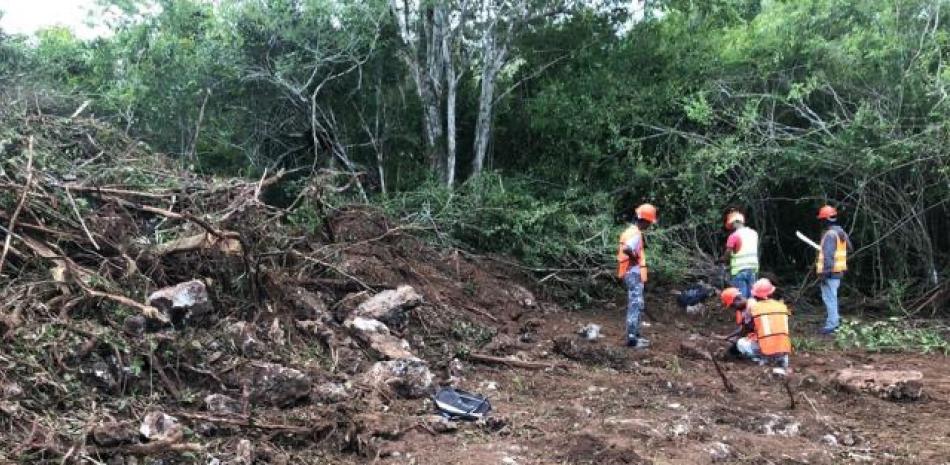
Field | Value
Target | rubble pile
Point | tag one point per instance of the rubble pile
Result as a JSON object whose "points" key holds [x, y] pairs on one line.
{"points": [[151, 311]]}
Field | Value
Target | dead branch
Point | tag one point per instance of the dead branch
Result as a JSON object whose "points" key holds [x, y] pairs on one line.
{"points": [[481, 312], [147, 310], [19, 206], [484, 358], [82, 222], [722, 375], [250, 423], [790, 392]]}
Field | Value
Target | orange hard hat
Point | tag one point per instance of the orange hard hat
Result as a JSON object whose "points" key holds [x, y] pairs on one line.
{"points": [[646, 212], [733, 217], [728, 296], [762, 289], [827, 212]]}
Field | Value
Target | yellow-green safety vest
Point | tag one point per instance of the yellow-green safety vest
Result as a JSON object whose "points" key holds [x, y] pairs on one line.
{"points": [[747, 257]]}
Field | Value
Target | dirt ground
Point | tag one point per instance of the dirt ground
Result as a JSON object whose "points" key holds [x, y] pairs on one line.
{"points": [[664, 408]]}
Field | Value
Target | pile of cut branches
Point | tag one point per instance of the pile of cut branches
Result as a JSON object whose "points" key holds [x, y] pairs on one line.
{"points": [[94, 226]]}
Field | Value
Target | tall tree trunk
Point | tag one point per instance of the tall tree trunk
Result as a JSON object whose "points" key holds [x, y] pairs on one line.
{"points": [[451, 92], [494, 60], [422, 52]]}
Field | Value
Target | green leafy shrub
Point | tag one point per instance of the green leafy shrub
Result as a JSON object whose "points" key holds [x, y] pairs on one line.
{"points": [[891, 335], [551, 229]]}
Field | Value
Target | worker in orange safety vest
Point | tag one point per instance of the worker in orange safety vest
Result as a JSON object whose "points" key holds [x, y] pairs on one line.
{"points": [[772, 341], [732, 299], [632, 269]]}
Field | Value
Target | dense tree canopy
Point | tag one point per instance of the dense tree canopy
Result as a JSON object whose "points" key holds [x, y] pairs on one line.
{"points": [[579, 110]]}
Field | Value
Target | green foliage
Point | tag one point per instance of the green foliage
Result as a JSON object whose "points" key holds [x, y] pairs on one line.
{"points": [[891, 335], [772, 106], [809, 344], [568, 232]]}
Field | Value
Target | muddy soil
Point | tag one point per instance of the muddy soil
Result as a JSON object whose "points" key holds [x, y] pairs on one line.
{"points": [[664, 408]]}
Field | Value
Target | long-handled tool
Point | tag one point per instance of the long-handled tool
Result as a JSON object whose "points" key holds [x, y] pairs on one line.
{"points": [[808, 241]]}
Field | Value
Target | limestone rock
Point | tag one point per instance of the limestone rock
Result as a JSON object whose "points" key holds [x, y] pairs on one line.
{"points": [[272, 384], [183, 304], [390, 306], [112, 434], [410, 379], [330, 393], [377, 336], [159, 426], [222, 404], [243, 336], [894, 385]]}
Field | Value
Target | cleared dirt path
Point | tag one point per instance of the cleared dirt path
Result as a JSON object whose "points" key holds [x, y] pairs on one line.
{"points": [[667, 408]]}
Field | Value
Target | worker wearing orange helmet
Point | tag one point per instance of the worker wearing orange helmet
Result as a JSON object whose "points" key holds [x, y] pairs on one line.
{"points": [[831, 264], [771, 341], [732, 299], [742, 252], [632, 269]]}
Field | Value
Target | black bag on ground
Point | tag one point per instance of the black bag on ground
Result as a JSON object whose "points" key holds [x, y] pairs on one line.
{"points": [[454, 403], [692, 295]]}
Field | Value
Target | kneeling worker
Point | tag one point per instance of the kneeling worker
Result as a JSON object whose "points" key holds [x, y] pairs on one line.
{"points": [[772, 341], [732, 299]]}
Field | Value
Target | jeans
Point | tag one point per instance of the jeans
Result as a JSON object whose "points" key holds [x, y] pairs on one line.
{"points": [[634, 304], [829, 294], [743, 281], [750, 349]]}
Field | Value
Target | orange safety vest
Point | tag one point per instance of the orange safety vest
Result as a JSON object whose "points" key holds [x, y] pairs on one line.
{"points": [[623, 260], [740, 321], [841, 256], [771, 327]]}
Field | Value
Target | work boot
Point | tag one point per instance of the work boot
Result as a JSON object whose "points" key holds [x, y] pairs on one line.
{"points": [[827, 331], [638, 343]]}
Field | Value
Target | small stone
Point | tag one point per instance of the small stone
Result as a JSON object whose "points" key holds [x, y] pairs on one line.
{"points": [[272, 384], [158, 426], [509, 461], [720, 452], [848, 440], [488, 385], [183, 303], [829, 440], [243, 336], [112, 434], [103, 376], [440, 424], [330, 393], [276, 333], [377, 336], [222, 404], [408, 378], [244, 455], [11, 390], [679, 429], [367, 325], [591, 332]]}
